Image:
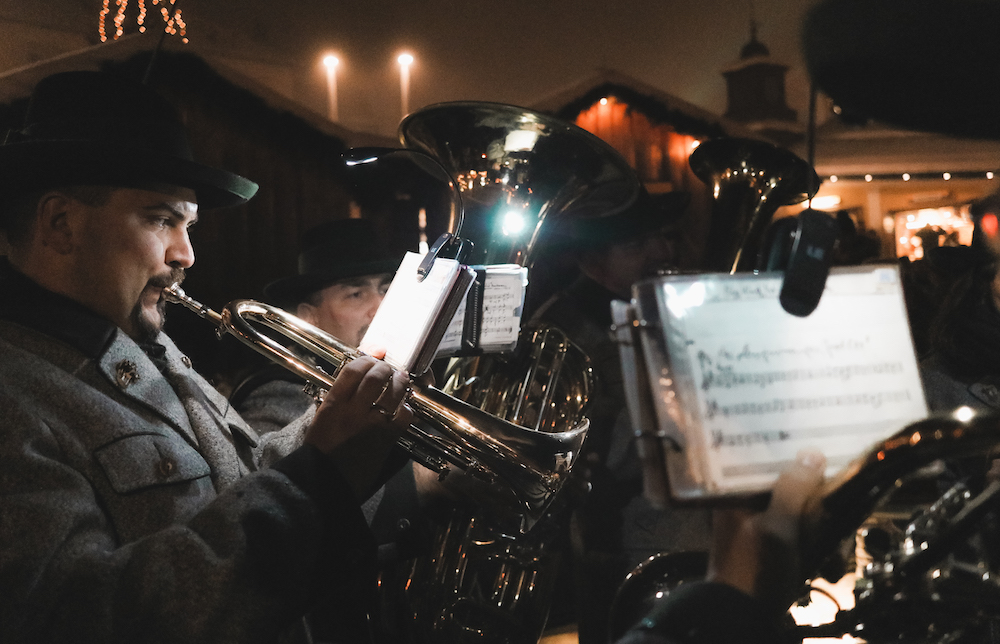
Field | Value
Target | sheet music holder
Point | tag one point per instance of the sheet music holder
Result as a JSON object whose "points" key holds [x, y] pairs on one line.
{"points": [[421, 301], [739, 385]]}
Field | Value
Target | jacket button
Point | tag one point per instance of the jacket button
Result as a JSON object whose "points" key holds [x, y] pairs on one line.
{"points": [[126, 373], [186, 361], [166, 467]]}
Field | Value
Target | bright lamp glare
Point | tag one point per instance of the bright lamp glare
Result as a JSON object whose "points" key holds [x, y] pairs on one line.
{"points": [[513, 223], [405, 60], [331, 61]]}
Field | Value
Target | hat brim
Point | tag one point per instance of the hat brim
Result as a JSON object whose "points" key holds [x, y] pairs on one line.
{"points": [[289, 291], [32, 165]]}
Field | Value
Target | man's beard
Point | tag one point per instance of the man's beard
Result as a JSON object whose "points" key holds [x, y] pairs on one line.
{"points": [[146, 329]]}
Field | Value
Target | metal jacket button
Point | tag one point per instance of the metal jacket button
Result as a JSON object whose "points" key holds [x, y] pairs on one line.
{"points": [[166, 467], [186, 361]]}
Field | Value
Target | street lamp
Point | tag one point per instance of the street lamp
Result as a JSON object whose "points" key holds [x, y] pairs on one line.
{"points": [[405, 60], [330, 62]]}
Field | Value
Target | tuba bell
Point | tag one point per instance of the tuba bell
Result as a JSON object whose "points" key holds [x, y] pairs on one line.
{"points": [[750, 180]]}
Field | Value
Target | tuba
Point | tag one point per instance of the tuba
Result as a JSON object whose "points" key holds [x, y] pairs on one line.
{"points": [[517, 171], [750, 180]]}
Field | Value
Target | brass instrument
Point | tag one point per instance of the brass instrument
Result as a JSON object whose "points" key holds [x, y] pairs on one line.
{"points": [[522, 469], [750, 180], [517, 170], [934, 574]]}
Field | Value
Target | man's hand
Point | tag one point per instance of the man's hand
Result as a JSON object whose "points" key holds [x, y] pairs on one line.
{"points": [[758, 553], [362, 416]]}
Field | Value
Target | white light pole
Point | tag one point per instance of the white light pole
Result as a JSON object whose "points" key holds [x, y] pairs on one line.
{"points": [[405, 60], [330, 62]]}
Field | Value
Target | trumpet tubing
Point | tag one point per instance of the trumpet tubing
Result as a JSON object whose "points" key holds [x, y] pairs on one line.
{"points": [[522, 468]]}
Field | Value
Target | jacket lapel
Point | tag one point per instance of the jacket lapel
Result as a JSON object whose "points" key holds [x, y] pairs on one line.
{"points": [[128, 369]]}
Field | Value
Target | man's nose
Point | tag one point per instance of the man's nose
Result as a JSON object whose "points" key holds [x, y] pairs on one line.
{"points": [[376, 301], [180, 253]]}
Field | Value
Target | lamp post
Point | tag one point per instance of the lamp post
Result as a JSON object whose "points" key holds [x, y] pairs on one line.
{"points": [[330, 62], [405, 60]]}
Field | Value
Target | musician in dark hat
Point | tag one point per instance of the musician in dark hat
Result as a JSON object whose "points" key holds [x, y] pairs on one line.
{"points": [[344, 271], [616, 528], [136, 504]]}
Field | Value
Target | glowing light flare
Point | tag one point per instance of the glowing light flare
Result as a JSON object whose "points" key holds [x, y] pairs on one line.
{"points": [[513, 223], [833, 178], [946, 176], [989, 175], [868, 178], [680, 301], [404, 60], [990, 224], [604, 101], [906, 176], [964, 414], [331, 62]]}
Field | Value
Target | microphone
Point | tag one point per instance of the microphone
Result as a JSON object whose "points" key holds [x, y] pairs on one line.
{"points": [[808, 262]]}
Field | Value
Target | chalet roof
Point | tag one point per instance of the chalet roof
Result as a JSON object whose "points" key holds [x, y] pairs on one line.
{"points": [[17, 83], [657, 105]]}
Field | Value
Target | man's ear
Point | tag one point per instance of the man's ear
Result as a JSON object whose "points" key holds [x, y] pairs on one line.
{"points": [[52, 222], [307, 312]]}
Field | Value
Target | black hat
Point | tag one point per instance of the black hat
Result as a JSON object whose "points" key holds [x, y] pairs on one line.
{"points": [[96, 128], [649, 213], [920, 64], [333, 251]]}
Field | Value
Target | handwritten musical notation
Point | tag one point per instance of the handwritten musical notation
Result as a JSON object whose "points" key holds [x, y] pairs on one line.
{"points": [[757, 385]]}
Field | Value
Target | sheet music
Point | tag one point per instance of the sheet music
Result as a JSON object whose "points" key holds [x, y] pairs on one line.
{"points": [[503, 301], [766, 384]]}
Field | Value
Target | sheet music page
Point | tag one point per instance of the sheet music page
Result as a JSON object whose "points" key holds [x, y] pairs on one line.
{"points": [[409, 308], [767, 384], [503, 302]]}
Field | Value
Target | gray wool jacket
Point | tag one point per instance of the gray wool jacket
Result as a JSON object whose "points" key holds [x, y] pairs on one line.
{"points": [[133, 507]]}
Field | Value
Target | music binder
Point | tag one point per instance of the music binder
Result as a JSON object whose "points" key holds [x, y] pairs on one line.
{"points": [[738, 385], [417, 309]]}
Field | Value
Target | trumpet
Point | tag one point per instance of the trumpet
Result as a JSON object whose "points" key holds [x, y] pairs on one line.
{"points": [[522, 468]]}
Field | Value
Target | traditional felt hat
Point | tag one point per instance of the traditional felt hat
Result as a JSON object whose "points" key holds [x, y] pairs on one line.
{"points": [[922, 64], [333, 251], [649, 213], [96, 128]]}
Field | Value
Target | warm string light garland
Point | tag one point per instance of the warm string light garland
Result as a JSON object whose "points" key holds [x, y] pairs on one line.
{"points": [[915, 176], [173, 22]]}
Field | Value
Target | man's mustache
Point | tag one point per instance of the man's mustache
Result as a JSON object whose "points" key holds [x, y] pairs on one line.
{"points": [[175, 276]]}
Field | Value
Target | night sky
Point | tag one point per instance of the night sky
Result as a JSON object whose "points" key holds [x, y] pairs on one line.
{"points": [[514, 51]]}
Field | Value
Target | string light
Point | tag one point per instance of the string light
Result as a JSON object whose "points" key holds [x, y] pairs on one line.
{"points": [[172, 19], [915, 176]]}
